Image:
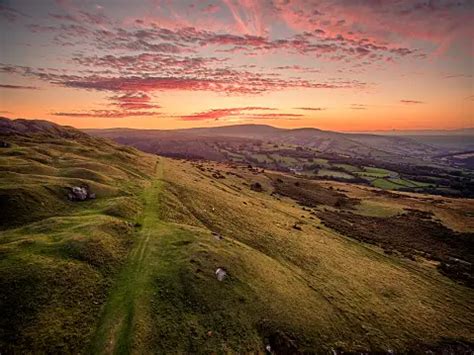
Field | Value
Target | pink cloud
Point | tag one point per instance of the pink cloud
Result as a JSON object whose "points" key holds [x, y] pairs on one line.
{"points": [[133, 101], [217, 114], [222, 80], [379, 22], [106, 114], [211, 9]]}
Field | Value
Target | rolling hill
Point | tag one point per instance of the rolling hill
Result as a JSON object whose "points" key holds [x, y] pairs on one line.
{"points": [[351, 145], [309, 266], [407, 164]]}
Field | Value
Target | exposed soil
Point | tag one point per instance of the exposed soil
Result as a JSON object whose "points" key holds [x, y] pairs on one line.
{"points": [[410, 234]]}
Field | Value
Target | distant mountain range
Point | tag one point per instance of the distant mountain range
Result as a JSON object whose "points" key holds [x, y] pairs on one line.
{"points": [[425, 132], [348, 144]]}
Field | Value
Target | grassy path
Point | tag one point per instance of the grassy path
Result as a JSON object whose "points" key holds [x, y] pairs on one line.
{"points": [[125, 319]]}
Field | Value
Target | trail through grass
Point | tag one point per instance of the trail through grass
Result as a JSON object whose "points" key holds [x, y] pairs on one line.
{"points": [[124, 319]]}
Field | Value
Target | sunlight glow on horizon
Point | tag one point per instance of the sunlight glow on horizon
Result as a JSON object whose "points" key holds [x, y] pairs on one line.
{"points": [[159, 64]]}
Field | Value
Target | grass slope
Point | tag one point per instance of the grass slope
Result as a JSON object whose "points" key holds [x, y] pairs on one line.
{"points": [[308, 289], [58, 258], [134, 270]]}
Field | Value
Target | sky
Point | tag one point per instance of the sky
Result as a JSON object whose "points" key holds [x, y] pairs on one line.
{"points": [[345, 65]]}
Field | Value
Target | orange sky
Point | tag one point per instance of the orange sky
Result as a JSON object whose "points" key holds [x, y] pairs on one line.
{"points": [[158, 64]]}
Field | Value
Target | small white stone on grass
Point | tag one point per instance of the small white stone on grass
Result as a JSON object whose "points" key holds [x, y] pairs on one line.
{"points": [[220, 274]]}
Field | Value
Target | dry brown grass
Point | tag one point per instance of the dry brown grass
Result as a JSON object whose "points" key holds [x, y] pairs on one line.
{"points": [[323, 289]]}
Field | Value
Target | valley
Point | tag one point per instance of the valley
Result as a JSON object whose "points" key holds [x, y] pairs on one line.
{"points": [[435, 164]]}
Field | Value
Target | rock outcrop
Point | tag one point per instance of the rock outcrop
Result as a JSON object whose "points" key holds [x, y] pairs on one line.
{"points": [[80, 193]]}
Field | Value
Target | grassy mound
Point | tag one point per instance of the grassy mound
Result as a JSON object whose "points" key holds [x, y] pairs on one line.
{"points": [[58, 257]]}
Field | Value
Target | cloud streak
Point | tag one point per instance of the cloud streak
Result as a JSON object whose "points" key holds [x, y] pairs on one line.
{"points": [[216, 114], [310, 108], [106, 114], [411, 102], [17, 87]]}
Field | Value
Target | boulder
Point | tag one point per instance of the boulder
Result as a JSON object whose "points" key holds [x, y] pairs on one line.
{"points": [[256, 186], [80, 193], [221, 273]]}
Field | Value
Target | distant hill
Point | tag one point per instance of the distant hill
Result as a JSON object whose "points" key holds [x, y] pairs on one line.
{"points": [[352, 145], [426, 132]]}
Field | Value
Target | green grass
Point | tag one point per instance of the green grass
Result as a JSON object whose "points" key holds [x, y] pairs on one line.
{"points": [[347, 167], [396, 183], [401, 182], [261, 158], [289, 161], [131, 291], [377, 209], [133, 270], [166, 297], [372, 172], [334, 173], [376, 170], [320, 161], [385, 184], [419, 183], [59, 257]]}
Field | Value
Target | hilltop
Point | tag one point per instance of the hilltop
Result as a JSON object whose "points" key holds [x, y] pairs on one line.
{"points": [[310, 265]]}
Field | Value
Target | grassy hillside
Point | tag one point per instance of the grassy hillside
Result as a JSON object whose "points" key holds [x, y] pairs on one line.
{"points": [[59, 257], [133, 271]]}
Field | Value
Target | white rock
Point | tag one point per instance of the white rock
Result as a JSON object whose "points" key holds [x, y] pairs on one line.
{"points": [[220, 274]]}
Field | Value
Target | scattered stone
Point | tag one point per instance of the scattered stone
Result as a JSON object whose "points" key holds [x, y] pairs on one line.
{"points": [[221, 273], [297, 226], [217, 236], [256, 186], [218, 175], [80, 193]]}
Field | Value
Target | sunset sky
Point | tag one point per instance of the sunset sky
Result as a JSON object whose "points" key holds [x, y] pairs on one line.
{"points": [[347, 65]]}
